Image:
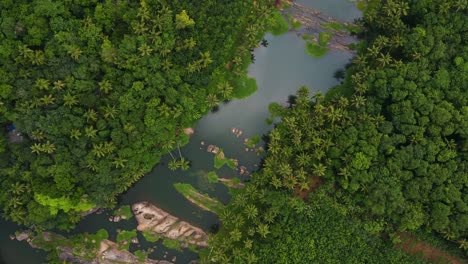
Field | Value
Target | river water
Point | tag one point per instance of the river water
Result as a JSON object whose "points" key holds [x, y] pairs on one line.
{"points": [[280, 69]]}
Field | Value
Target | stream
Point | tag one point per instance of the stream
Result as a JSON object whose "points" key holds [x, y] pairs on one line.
{"points": [[280, 69]]}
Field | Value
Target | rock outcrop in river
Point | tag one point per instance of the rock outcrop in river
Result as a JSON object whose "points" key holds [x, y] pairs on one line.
{"points": [[107, 252], [313, 22], [153, 219]]}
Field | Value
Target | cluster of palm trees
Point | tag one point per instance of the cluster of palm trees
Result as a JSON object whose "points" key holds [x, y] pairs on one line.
{"points": [[176, 163]]}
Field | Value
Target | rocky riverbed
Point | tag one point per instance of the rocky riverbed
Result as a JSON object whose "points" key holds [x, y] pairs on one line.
{"points": [[153, 219]]}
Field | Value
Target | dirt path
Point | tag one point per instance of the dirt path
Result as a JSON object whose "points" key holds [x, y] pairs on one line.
{"points": [[315, 182], [413, 246]]}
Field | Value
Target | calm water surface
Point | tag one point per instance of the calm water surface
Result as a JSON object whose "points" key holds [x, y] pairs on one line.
{"points": [[280, 69]]}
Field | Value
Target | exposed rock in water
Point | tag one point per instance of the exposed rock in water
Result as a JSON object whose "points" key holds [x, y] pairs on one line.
{"points": [[23, 235], [213, 149], [236, 131], [243, 171], [107, 253], [312, 22], [110, 254], [92, 211], [189, 131], [231, 183], [154, 219]]}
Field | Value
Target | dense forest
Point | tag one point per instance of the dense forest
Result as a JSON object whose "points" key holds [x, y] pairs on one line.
{"points": [[95, 92], [383, 154]]}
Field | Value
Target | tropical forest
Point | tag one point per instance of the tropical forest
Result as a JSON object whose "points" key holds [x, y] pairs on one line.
{"points": [[240, 131]]}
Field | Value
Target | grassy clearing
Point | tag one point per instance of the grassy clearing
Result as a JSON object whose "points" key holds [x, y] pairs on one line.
{"points": [[279, 25], [203, 201]]}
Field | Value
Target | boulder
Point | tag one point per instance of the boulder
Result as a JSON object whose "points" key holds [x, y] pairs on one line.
{"points": [[153, 219], [23, 235]]}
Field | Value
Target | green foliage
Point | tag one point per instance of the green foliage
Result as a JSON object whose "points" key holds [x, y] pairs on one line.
{"points": [[244, 88], [141, 255], [336, 26], [124, 238], [101, 90], [151, 236], [220, 160], [278, 24], [324, 38], [125, 211], [212, 177], [392, 155], [316, 50], [172, 244], [252, 141], [203, 201], [295, 24], [62, 203]]}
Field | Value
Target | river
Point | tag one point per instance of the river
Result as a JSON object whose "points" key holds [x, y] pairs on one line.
{"points": [[280, 69]]}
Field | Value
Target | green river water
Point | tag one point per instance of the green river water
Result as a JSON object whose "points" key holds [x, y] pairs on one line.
{"points": [[280, 69]]}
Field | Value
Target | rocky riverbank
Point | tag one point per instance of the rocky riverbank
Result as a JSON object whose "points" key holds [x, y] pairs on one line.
{"points": [[101, 251], [153, 219]]}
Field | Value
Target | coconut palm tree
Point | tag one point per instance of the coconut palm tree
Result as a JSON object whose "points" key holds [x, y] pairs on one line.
{"points": [[384, 59], [184, 164], [119, 162], [59, 85], [173, 164], [109, 112], [90, 115], [69, 100], [251, 211], [98, 150], [17, 188], [42, 84], [319, 169], [263, 230], [145, 50], [105, 86], [212, 100], [75, 134], [90, 132], [74, 52], [48, 147]]}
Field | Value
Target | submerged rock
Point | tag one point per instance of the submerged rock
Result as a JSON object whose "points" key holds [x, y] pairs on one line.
{"points": [[153, 219]]}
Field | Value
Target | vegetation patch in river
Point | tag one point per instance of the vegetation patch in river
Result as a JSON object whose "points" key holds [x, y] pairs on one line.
{"points": [[172, 244], [203, 201], [212, 177], [124, 212], [244, 87], [125, 237], [316, 50], [220, 160], [150, 236], [279, 25]]}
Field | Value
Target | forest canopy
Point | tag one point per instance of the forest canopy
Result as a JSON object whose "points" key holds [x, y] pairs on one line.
{"points": [[389, 147], [100, 90]]}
